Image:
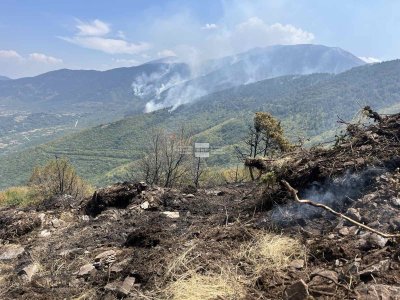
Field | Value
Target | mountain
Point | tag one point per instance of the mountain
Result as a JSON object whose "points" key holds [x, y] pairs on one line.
{"points": [[307, 105], [38, 109], [4, 78], [259, 64]]}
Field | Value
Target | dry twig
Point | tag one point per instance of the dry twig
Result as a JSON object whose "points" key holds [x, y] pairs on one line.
{"points": [[309, 202]]}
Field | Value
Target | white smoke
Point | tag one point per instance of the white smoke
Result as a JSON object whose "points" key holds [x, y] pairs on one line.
{"points": [[336, 193]]}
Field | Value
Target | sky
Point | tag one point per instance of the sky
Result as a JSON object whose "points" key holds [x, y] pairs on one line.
{"points": [[44, 35]]}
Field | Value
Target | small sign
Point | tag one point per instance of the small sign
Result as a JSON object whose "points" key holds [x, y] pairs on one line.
{"points": [[201, 149]]}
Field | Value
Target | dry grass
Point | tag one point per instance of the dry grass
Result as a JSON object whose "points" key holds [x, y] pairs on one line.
{"points": [[270, 252], [195, 286]]}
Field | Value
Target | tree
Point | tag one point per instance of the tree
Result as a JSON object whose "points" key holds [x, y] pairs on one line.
{"points": [[166, 163], [265, 138], [58, 177]]}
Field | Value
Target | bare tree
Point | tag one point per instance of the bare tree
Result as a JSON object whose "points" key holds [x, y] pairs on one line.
{"points": [[165, 163]]}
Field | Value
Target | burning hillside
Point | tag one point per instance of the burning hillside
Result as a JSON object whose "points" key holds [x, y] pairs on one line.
{"points": [[238, 241]]}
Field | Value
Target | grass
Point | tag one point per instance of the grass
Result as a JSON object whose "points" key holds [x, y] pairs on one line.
{"points": [[271, 252], [225, 285], [18, 196]]}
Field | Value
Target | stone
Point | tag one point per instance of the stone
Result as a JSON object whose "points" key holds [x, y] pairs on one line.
{"points": [[10, 251], [395, 201], [28, 272], [73, 251], [354, 214], [331, 236], [56, 223], [85, 218], [325, 274], [105, 255], [190, 196], [85, 270], [377, 291], [127, 285], [296, 291], [395, 223], [171, 214], [297, 264], [145, 205], [375, 269], [360, 161], [344, 231], [377, 240], [44, 233]]}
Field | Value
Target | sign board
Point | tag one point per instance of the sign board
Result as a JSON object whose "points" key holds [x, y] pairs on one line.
{"points": [[201, 150]]}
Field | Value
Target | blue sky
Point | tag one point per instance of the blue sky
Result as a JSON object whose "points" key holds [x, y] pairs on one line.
{"points": [[43, 35]]}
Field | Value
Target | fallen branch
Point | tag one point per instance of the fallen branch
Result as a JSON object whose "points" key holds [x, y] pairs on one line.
{"points": [[309, 202]]}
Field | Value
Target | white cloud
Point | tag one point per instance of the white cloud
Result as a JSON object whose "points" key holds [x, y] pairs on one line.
{"points": [[370, 60], [166, 53], [93, 35], [209, 26], [108, 45], [94, 28], [16, 65], [42, 58], [254, 32], [10, 54]]}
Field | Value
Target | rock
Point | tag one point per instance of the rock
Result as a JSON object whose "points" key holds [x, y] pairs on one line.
{"points": [[190, 196], [112, 286], [73, 251], [331, 236], [171, 214], [377, 291], [85, 270], [44, 233], [395, 223], [360, 161], [215, 192], [56, 223], [29, 271], [344, 231], [354, 214], [395, 201], [375, 269], [145, 205], [297, 264], [296, 291], [127, 285], [325, 274], [105, 255], [377, 240], [85, 218], [10, 251]]}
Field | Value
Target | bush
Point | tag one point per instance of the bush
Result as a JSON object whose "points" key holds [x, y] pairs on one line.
{"points": [[18, 196], [58, 177]]}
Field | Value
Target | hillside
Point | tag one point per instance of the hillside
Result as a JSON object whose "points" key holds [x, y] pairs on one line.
{"points": [[307, 105], [259, 64], [236, 241], [38, 109]]}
